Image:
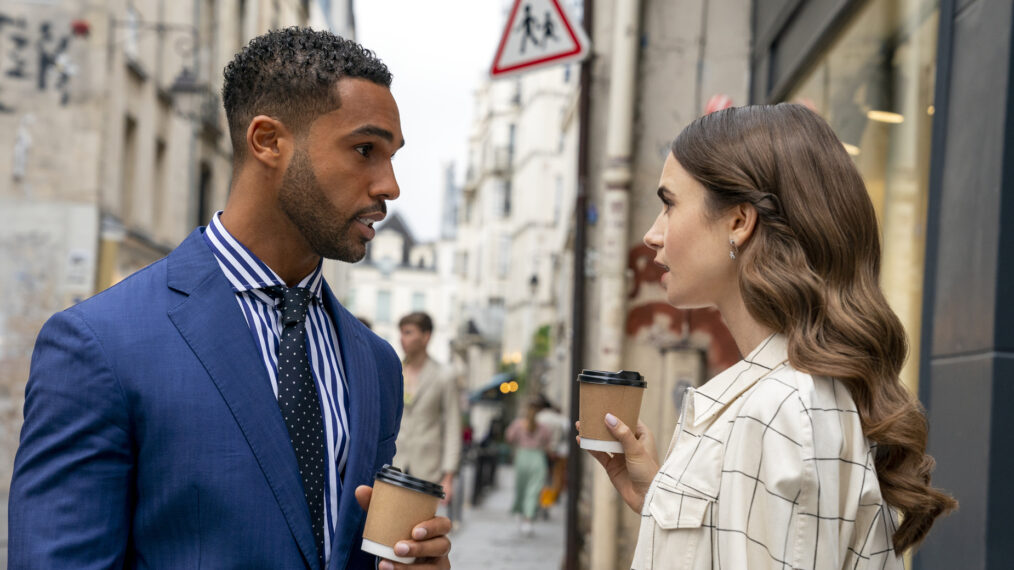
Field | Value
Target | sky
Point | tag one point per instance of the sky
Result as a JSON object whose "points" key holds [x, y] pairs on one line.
{"points": [[439, 52]]}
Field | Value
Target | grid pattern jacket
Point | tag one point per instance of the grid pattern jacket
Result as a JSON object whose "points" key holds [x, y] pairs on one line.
{"points": [[768, 468]]}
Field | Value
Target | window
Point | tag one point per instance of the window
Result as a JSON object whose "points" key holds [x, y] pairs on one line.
{"points": [[240, 24], [160, 201], [418, 301], [503, 198], [128, 169], [383, 306], [204, 196], [874, 86], [504, 256], [132, 34], [512, 134], [558, 199]]}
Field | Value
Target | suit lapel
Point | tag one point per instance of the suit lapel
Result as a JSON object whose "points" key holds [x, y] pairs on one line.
{"points": [[364, 427], [210, 321]]}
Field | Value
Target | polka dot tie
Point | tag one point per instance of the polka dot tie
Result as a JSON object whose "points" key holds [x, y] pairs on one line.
{"points": [[299, 402]]}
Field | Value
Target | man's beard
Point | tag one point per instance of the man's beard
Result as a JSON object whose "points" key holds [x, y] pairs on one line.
{"points": [[302, 199]]}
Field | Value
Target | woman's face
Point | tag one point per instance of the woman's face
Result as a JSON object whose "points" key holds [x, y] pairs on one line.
{"points": [[691, 248]]}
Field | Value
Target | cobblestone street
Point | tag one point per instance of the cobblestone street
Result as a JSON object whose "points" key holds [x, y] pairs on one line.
{"points": [[489, 537]]}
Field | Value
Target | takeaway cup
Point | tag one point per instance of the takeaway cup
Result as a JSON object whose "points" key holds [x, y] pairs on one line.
{"points": [[617, 393], [399, 502]]}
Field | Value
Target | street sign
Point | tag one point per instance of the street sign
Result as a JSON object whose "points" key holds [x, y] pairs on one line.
{"points": [[538, 33]]}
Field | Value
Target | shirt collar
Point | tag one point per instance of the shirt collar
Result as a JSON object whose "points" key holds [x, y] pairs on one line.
{"points": [[721, 390], [245, 271]]}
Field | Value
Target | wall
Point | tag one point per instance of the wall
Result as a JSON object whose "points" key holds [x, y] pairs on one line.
{"points": [[966, 386], [690, 50]]}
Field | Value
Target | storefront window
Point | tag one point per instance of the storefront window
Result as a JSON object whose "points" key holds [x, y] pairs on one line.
{"points": [[875, 87]]}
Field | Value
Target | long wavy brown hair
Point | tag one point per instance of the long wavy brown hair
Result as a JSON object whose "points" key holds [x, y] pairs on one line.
{"points": [[811, 271]]}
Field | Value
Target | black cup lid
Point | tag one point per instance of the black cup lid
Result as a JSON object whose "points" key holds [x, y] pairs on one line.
{"points": [[395, 476], [621, 378]]}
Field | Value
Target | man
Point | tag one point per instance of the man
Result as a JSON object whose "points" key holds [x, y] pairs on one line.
{"points": [[219, 408], [429, 444]]}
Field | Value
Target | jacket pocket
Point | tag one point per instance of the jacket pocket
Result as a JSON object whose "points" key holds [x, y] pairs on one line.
{"points": [[677, 506]]}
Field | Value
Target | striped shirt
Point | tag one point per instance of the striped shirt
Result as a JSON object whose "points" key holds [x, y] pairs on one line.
{"points": [[248, 276]]}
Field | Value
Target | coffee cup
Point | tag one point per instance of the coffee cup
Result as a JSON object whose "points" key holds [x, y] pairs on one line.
{"points": [[617, 393], [398, 504]]}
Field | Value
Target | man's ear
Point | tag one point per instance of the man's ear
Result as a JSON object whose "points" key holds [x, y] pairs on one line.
{"points": [[268, 141]]}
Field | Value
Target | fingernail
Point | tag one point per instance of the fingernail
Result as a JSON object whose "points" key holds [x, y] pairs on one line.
{"points": [[419, 533], [611, 420], [401, 549], [385, 565]]}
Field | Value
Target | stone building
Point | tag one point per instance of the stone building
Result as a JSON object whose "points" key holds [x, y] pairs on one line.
{"points": [[114, 148], [509, 248]]}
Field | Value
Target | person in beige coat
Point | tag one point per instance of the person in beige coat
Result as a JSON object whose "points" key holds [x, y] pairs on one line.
{"points": [[429, 443]]}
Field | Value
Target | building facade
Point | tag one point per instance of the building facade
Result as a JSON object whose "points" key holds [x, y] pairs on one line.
{"points": [[398, 276], [511, 237]]}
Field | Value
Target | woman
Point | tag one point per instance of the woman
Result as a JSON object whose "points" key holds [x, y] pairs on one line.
{"points": [[803, 454], [531, 440]]}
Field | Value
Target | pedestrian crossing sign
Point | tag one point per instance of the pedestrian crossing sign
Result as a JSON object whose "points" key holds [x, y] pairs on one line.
{"points": [[539, 33]]}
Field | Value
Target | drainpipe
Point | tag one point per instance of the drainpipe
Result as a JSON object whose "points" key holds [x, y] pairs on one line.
{"points": [[612, 261]]}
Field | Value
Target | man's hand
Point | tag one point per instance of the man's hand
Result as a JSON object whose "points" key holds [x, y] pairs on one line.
{"points": [[448, 484], [632, 471], [429, 547]]}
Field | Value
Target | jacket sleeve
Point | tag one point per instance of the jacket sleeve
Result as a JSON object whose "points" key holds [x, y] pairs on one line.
{"points": [[452, 425], [70, 498]]}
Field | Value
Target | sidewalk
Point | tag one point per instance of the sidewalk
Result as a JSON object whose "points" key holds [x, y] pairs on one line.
{"points": [[489, 538]]}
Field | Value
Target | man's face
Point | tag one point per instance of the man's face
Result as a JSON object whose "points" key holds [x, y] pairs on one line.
{"points": [[340, 176], [413, 340]]}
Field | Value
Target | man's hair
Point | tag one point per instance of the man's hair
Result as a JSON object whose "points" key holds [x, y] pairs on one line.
{"points": [[291, 74], [419, 319]]}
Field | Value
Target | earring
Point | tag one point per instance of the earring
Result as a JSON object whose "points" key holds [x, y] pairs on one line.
{"points": [[733, 249]]}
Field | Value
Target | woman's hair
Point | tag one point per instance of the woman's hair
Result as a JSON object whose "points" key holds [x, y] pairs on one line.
{"points": [[811, 271], [532, 409]]}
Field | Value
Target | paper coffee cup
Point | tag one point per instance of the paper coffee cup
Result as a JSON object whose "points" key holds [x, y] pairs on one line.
{"points": [[617, 393], [399, 502]]}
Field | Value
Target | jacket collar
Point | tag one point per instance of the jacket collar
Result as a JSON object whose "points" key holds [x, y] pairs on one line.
{"points": [[720, 391]]}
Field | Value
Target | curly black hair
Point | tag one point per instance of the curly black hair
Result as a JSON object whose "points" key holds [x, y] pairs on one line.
{"points": [[290, 74]]}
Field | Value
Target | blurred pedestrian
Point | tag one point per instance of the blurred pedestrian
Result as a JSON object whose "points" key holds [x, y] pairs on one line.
{"points": [[805, 453], [429, 443], [556, 454], [531, 441]]}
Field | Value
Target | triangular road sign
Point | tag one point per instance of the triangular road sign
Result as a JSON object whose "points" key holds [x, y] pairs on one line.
{"points": [[538, 33]]}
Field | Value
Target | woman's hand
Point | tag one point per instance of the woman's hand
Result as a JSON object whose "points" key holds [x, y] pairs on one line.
{"points": [[631, 472]]}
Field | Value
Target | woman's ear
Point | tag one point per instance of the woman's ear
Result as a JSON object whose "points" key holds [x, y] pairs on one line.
{"points": [[268, 141], [742, 221]]}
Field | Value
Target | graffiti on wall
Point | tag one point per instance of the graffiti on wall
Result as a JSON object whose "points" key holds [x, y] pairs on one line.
{"points": [[34, 56]]}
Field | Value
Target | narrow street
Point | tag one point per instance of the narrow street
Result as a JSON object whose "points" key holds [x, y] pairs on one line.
{"points": [[489, 537]]}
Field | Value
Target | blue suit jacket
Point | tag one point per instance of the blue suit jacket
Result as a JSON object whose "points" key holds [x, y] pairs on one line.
{"points": [[152, 437]]}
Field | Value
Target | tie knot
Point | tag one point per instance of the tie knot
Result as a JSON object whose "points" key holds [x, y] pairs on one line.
{"points": [[293, 302]]}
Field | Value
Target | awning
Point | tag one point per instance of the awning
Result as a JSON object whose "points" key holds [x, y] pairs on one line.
{"points": [[491, 390]]}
